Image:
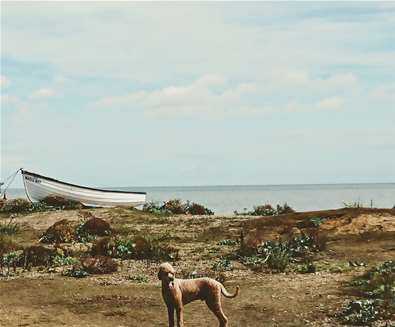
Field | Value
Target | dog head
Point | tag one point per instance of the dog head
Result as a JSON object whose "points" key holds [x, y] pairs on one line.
{"points": [[166, 272]]}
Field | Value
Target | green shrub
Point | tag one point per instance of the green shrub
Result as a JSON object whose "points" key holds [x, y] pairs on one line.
{"points": [[75, 272], [361, 312], [176, 207], [60, 202], [228, 242], [9, 227], [139, 279], [16, 206], [223, 265], [267, 210], [278, 255], [378, 282], [60, 260]]}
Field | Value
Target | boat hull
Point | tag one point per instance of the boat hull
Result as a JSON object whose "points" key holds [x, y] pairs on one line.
{"points": [[39, 187]]}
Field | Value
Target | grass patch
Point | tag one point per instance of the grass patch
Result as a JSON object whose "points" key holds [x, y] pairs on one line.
{"points": [[9, 227]]}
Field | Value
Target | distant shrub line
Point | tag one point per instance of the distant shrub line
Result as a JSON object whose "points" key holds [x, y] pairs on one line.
{"points": [[267, 210], [177, 207]]}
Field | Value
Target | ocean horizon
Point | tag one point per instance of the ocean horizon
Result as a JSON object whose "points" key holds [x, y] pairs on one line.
{"points": [[225, 199]]}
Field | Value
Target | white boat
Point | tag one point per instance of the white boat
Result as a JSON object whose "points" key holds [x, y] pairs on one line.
{"points": [[38, 187]]}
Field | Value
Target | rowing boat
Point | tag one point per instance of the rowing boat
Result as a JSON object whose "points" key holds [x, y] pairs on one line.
{"points": [[38, 187]]}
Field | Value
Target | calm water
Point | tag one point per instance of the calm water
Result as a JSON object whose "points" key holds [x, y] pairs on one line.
{"points": [[226, 199]]}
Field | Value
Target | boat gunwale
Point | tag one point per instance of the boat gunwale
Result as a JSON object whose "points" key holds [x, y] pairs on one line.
{"points": [[79, 186]]}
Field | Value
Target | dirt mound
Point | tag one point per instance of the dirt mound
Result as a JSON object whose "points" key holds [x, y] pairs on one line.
{"points": [[99, 265], [37, 255], [96, 226], [363, 223], [63, 231]]}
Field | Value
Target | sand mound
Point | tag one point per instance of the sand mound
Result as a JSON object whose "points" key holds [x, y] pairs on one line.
{"points": [[363, 223]]}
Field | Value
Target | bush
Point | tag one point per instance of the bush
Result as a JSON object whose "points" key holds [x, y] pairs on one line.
{"points": [[16, 206], [7, 245], [60, 260], [361, 312], [198, 209], [95, 226], [60, 202], [177, 207], [9, 228], [267, 210], [378, 282], [223, 265], [37, 255], [278, 255], [63, 231], [76, 272]]}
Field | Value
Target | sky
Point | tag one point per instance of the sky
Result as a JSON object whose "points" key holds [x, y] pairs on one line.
{"points": [[154, 94]]}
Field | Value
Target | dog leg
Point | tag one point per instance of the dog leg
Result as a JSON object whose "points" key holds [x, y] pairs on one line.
{"points": [[170, 312], [215, 306], [180, 316]]}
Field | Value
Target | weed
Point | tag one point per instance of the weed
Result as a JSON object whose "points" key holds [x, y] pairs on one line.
{"points": [[361, 312], [267, 210], [227, 242], [60, 260], [9, 228], [9, 260], [16, 206], [138, 279], [223, 265], [76, 272], [378, 282]]}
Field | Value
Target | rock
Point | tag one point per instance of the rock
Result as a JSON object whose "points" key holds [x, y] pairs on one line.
{"points": [[99, 265]]}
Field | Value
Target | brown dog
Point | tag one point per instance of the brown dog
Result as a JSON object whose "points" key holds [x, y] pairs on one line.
{"points": [[179, 292]]}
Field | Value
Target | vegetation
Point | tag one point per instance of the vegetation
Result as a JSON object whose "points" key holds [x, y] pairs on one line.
{"points": [[176, 207], [267, 210], [9, 227], [60, 202], [361, 312], [16, 206]]}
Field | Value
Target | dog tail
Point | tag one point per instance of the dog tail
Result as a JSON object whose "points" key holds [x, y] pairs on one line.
{"points": [[228, 295]]}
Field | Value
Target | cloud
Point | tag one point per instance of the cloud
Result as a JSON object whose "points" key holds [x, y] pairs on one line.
{"points": [[209, 94], [43, 93], [333, 103]]}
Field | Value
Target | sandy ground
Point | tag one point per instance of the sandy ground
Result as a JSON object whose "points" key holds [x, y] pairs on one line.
{"points": [[43, 298]]}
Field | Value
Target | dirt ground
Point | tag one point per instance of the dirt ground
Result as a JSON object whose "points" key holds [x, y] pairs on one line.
{"points": [[43, 297]]}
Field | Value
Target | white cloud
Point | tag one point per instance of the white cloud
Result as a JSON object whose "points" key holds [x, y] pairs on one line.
{"points": [[43, 93], [333, 103]]}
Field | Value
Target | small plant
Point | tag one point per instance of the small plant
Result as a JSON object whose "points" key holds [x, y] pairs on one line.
{"points": [[223, 265], [60, 260], [267, 210], [361, 312], [9, 228], [124, 249], [9, 260], [75, 272], [227, 242], [198, 209], [378, 282], [139, 279], [278, 255], [82, 235]]}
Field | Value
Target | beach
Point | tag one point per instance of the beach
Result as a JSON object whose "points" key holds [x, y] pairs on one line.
{"points": [[356, 240]]}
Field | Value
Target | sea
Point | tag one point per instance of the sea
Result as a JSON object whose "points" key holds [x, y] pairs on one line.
{"points": [[224, 200]]}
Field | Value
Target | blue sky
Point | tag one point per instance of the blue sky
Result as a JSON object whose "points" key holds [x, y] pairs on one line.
{"points": [[121, 94]]}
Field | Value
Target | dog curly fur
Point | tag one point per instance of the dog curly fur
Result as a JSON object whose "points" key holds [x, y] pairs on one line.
{"points": [[179, 292]]}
